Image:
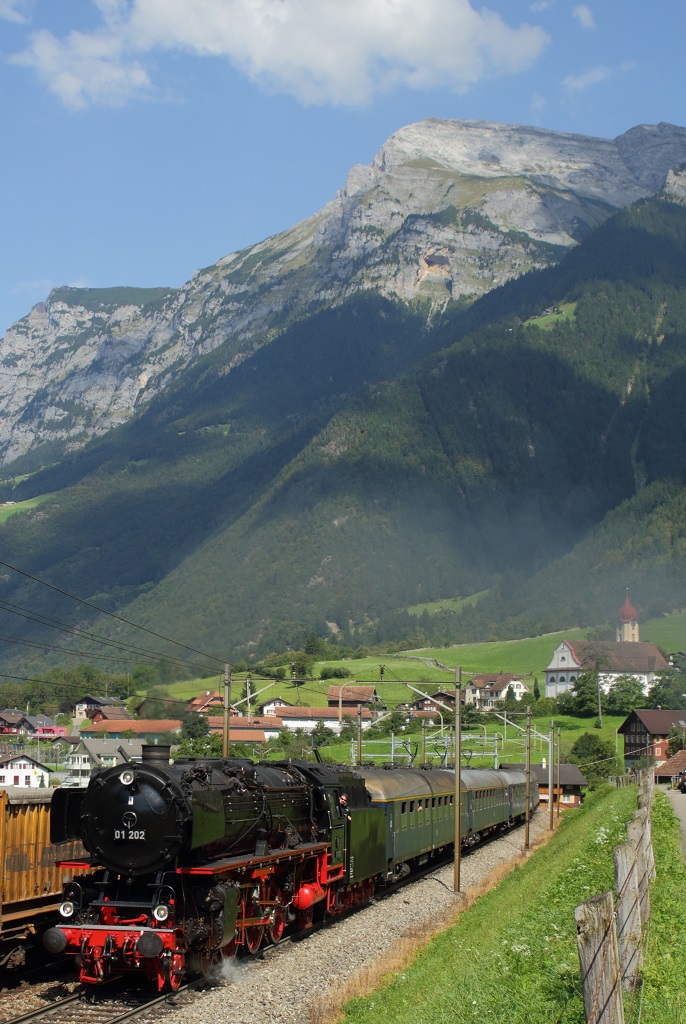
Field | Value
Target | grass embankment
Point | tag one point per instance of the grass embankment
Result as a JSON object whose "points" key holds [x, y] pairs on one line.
{"points": [[513, 956]]}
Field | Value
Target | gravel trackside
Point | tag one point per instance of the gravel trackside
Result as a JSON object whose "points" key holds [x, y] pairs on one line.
{"points": [[300, 981]]}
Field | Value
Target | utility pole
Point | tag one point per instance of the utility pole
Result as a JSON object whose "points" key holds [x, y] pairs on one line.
{"points": [[359, 734], [551, 758], [423, 742], [227, 711], [528, 777], [458, 777], [600, 707], [559, 795]]}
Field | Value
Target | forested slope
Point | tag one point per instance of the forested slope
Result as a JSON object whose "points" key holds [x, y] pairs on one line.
{"points": [[531, 444]]}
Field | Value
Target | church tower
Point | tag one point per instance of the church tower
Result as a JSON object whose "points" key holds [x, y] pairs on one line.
{"points": [[627, 622]]}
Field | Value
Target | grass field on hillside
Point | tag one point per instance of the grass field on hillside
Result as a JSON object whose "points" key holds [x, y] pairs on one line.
{"points": [[668, 632], [21, 506]]}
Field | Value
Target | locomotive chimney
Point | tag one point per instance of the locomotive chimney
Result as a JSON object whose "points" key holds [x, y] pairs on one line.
{"points": [[158, 753]]}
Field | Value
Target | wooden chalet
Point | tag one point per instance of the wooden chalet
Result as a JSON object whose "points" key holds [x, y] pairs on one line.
{"points": [[646, 733], [350, 695], [572, 781]]}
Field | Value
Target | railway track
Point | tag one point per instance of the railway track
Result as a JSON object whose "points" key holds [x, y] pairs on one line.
{"points": [[83, 1007]]}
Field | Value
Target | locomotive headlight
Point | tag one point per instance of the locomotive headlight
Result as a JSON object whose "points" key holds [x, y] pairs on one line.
{"points": [[67, 909], [126, 778], [161, 912]]}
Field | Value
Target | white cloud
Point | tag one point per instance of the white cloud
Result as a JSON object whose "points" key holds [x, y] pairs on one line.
{"points": [[86, 68], [320, 51], [579, 83], [584, 16], [10, 10], [540, 5]]}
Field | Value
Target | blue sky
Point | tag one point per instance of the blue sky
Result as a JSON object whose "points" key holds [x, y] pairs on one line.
{"points": [[143, 139]]}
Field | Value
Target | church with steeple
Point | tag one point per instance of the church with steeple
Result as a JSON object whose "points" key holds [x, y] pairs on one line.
{"points": [[625, 656], [627, 622]]}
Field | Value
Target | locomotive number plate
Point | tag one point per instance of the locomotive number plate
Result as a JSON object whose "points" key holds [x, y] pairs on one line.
{"points": [[129, 833]]}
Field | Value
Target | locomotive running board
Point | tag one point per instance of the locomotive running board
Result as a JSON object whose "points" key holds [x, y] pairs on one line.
{"points": [[231, 863]]}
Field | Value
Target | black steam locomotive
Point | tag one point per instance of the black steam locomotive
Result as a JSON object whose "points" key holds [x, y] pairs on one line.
{"points": [[194, 859]]}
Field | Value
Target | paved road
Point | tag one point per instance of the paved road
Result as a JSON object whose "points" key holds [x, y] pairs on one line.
{"points": [[678, 801]]}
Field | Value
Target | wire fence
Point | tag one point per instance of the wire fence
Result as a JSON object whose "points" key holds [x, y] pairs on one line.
{"points": [[611, 927]]}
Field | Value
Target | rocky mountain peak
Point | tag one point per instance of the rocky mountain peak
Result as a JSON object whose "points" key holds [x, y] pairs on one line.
{"points": [[446, 210]]}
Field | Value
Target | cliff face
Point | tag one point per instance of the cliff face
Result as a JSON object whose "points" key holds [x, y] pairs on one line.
{"points": [[446, 210]]}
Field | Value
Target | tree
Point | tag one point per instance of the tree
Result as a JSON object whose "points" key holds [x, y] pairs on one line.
{"points": [[395, 722], [537, 689], [348, 729], [624, 694], [195, 727], [677, 740], [587, 695], [596, 758], [321, 734], [668, 691]]}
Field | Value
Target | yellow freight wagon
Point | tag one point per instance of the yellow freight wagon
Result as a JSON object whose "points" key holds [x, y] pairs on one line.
{"points": [[31, 880]]}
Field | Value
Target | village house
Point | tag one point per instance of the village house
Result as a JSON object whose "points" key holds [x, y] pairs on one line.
{"points": [[111, 713], [14, 722], [42, 727], [88, 706], [23, 772], [350, 695], [307, 718], [92, 753], [646, 733], [571, 783], [441, 699], [671, 770], [248, 729], [206, 701], [147, 729], [485, 690], [271, 706]]}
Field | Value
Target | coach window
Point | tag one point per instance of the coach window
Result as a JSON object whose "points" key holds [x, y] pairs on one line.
{"points": [[403, 814]]}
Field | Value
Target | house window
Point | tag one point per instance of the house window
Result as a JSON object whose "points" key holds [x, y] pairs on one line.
{"points": [[27, 780], [2, 778]]}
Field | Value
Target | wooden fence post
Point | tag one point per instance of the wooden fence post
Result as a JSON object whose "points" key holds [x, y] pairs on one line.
{"points": [[643, 817], [628, 915], [636, 834], [596, 937]]}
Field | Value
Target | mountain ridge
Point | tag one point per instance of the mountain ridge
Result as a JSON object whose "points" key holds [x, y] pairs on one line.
{"points": [[435, 234]]}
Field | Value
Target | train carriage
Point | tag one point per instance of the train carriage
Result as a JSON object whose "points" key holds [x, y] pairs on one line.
{"points": [[32, 881]]}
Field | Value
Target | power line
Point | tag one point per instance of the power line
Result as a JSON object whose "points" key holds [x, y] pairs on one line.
{"points": [[90, 655], [46, 620], [103, 611]]}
